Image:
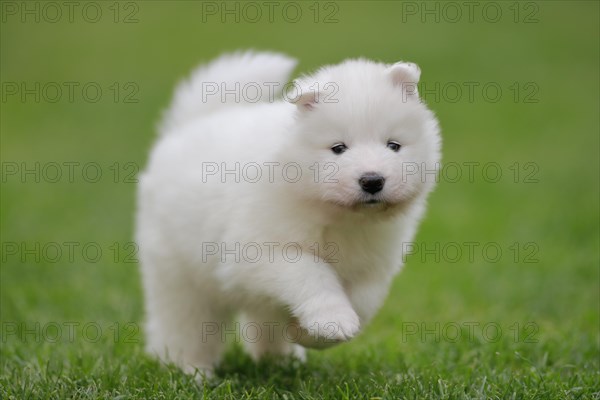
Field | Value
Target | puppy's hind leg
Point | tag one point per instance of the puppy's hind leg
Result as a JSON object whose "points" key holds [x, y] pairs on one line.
{"points": [[184, 322]]}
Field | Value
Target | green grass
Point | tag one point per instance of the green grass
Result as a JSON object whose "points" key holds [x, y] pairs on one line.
{"points": [[547, 310]]}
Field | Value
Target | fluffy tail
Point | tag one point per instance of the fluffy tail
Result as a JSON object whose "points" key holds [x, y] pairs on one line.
{"points": [[242, 77]]}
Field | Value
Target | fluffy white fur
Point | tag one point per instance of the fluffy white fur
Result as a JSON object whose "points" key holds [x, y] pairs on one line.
{"points": [[350, 240]]}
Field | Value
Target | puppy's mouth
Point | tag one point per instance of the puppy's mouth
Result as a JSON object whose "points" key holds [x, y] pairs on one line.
{"points": [[375, 204], [372, 201], [368, 204]]}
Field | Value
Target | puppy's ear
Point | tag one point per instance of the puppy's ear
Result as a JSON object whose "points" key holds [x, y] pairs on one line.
{"points": [[304, 98], [406, 76]]}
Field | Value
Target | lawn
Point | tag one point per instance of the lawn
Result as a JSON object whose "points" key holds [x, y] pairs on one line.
{"points": [[499, 297]]}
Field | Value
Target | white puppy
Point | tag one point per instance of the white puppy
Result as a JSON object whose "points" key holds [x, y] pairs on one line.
{"points": [[294, 214]]}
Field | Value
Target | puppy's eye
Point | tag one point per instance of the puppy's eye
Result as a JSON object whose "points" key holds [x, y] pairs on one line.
{"points": [[394, 146], [339, 148]]}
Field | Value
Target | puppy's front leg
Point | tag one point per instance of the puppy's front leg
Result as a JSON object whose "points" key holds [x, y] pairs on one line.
{"points": [[311, 290]]}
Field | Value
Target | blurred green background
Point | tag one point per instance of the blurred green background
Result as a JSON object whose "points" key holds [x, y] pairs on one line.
{"points": [[541, 131]]}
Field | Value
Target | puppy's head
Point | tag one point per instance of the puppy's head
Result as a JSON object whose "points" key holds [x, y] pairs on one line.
{"points": [[371, 143]]}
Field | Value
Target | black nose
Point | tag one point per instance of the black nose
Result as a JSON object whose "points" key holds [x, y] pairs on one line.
{"points": [[371, 182]]}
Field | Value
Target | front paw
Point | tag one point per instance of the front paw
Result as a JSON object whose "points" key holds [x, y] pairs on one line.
{"points": [[327, 325]]}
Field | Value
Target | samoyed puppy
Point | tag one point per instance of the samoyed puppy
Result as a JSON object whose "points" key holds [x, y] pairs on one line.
{"points": [[289, 214]]}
